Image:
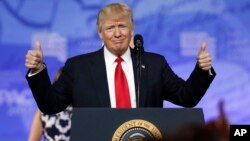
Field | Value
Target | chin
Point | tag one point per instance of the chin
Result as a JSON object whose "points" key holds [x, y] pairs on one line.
{"points": [[120, 51]]}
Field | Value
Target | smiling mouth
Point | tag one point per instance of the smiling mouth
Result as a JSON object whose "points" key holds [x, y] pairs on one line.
{"points": [[117, 42]]}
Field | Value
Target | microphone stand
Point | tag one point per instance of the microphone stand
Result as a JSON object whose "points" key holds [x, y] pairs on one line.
{"points": [[139, 51]]}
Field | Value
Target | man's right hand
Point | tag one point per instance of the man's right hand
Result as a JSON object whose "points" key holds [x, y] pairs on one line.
{"points": [[34, 58]]}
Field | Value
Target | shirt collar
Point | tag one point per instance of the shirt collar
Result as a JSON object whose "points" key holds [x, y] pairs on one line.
{"points": [[110, 58]]}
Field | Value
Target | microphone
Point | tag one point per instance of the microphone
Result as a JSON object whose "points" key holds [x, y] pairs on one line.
{"points": [[138, 43]]}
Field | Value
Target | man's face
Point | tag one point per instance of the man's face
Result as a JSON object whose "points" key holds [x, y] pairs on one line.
{"points": [[116, 34]]}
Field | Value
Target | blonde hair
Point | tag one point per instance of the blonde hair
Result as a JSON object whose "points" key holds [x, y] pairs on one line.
{"points": [[116, 10], [58, 73]]}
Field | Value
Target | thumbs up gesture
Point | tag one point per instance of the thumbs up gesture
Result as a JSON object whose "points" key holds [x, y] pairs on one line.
{"points": [[204, 58], [34, 58]]}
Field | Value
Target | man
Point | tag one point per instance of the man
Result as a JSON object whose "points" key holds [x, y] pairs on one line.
{"points": [[90, 80]]}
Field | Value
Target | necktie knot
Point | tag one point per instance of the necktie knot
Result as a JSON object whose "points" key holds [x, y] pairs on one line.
{"points": [[119, 59]]}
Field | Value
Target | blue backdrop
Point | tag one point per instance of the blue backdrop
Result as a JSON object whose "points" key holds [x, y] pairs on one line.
{"points": [[174, 28]]}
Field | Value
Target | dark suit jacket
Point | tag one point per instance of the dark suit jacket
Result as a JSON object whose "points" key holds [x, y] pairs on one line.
{"points": [[83, 83]]}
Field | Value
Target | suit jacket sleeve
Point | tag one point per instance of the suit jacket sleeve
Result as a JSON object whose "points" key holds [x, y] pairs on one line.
{"points": [[51, 98], [186, 93]]}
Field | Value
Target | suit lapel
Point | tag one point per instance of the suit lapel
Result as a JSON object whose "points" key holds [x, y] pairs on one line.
{"points": [[143, 82], [99, 75]]}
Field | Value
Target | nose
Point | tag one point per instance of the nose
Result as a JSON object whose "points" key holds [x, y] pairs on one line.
{"points": [[117, 32]]}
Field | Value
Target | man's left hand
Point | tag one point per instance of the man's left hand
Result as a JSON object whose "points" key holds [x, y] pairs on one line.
{"points": [[204, 58]]}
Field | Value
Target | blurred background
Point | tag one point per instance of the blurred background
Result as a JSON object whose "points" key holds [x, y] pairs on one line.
{"points": [[174, 28]]}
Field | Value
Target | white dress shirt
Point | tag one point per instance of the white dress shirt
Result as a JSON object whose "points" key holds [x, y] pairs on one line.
{"points": [[127, 67]]}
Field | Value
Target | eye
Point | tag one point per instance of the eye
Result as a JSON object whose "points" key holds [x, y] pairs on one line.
{"points": [[109, 28], [122, 26]]}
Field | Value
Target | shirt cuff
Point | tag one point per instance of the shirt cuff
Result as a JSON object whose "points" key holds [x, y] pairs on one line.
{"points": [[30, 74], [210, 72]]}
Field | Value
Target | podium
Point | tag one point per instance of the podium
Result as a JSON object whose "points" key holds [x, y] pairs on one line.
{"points": [[107, 124]]}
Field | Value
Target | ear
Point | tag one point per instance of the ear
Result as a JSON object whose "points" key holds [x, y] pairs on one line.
{"points": [[100, 35], [132, 32]]}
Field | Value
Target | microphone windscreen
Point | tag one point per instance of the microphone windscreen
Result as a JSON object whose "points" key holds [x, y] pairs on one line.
{"points": [[138, 40]]}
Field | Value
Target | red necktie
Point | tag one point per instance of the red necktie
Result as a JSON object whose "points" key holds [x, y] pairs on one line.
{"points": [[121, 86]]}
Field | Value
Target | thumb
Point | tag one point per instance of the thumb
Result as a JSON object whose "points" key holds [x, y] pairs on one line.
{"points": [[203, 48], [38, 46]]}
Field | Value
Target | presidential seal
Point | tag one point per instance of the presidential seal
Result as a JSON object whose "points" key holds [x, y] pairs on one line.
{"points": [[137, 130]]}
